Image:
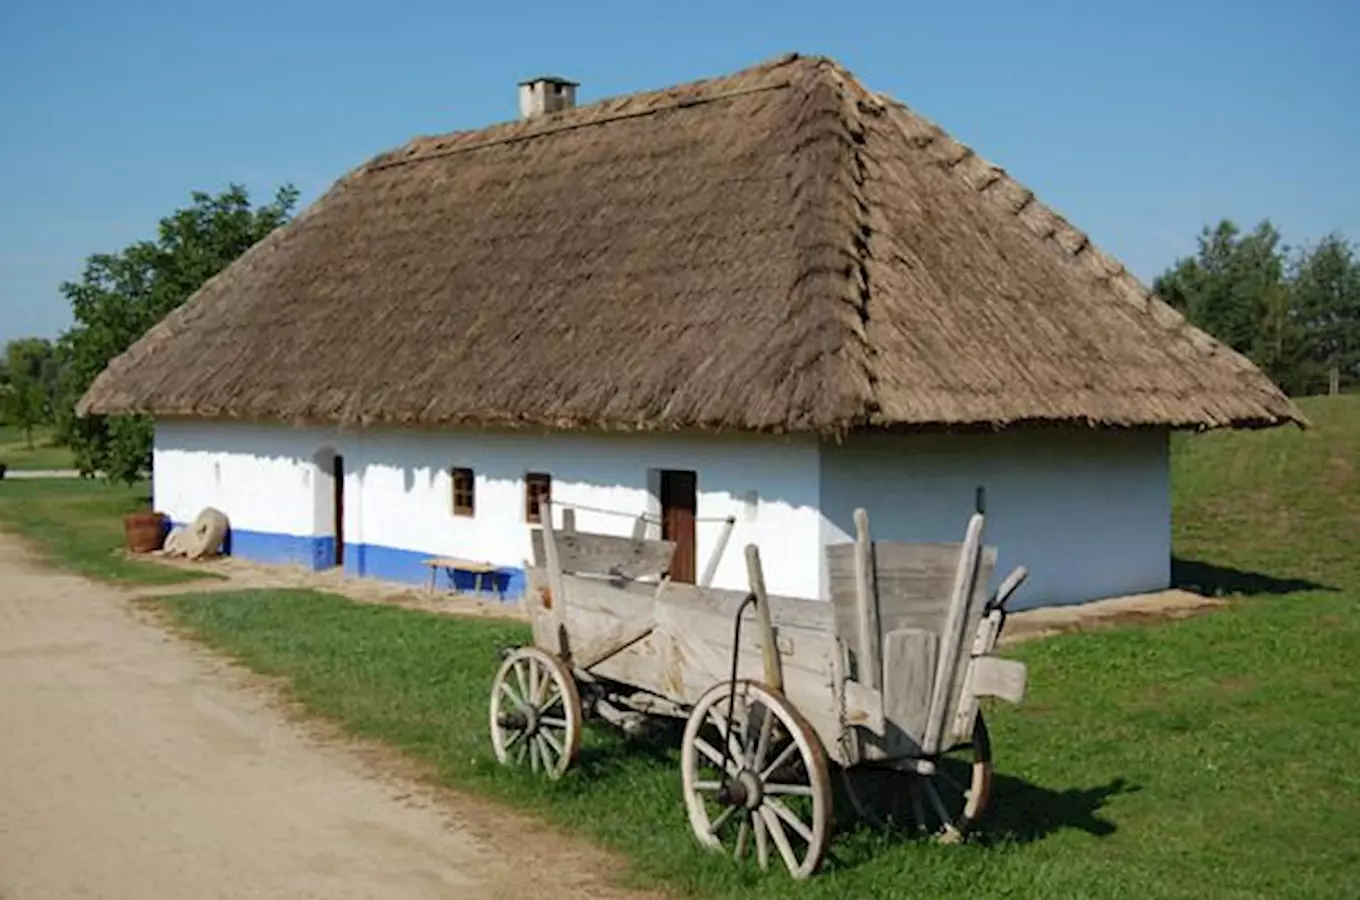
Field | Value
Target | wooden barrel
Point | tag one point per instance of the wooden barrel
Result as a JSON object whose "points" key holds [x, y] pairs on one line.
{"points": [[145, 530]]}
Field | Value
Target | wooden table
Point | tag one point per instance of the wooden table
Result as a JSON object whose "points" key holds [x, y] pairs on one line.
{"points": [[451, 564]]}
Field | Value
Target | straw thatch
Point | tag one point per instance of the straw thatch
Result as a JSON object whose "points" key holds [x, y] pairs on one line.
{"points": [[776, 250]]}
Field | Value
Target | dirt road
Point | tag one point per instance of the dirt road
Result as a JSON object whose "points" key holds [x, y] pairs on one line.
{"points": [[135, 765]]}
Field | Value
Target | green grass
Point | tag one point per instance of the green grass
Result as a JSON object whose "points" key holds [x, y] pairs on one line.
{"points": [[44, 454], [78, 525], [1201, 758]]}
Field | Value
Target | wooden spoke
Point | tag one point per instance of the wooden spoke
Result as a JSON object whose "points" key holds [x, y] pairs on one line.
{"points": [[547, 737], [784, 756], [515, 698], [762, 844], [537, 689], [734, 747], [765, 720], [787, 815], [721, 820], [709, 751], [522, 682], [948, 802], [781, 840]]}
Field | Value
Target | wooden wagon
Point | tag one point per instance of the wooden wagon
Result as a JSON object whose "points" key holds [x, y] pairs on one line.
{"points": [[885, 678]]}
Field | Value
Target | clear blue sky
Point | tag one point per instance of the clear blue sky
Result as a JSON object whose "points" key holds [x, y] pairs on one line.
{"points": [[1140, 121]]}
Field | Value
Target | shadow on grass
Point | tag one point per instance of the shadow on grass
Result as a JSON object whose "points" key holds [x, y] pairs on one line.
{"points": [[1019, 811], [1022, 812], [1213, 580]]}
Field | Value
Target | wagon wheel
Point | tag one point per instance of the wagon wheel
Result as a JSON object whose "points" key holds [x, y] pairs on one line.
{"points": [[947, 803], [772, 783], [535, 712]]}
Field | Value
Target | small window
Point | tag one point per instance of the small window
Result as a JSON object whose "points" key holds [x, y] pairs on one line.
{"points": [[537, 487], [464, 492]]}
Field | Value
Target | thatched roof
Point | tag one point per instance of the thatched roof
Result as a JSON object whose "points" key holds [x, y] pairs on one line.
{"points": [[777, 250]]}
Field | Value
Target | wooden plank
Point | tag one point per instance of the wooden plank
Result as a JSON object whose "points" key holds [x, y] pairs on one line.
{"points": [[553, 566], [864, 707], [911, 583], [464, 565], [769, 651], [986, 676], [910, 658], [951, 639], [605, 647], [794, 612], [868, 663], [997, 677], [604, 554], [1010, 585]]}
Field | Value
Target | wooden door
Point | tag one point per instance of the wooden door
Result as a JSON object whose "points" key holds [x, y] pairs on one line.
{"points": [[679, 499], [338, 486]]}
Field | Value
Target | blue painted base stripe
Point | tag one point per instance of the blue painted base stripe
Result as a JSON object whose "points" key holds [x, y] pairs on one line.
{"points": [[366, 560]]}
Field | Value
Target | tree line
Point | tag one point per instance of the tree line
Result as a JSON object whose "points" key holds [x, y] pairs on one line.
{"points": [[1295, 313]]}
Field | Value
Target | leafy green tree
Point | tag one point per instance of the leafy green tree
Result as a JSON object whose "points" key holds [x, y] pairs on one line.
{"points": [[29, 388], [1326, 286], [1235, 288], [121, 295]]}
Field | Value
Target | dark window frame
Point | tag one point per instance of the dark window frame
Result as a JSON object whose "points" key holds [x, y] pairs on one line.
{"points": [[464, 491], [536, 485]]}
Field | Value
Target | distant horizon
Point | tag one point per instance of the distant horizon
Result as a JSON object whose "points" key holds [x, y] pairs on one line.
{"points": [[115, 121]]}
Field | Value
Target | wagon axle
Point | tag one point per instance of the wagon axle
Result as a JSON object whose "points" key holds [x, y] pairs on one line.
{"points": [[745, 790]]}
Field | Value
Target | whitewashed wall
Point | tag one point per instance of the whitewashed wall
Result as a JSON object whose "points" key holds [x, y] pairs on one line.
{"points": [[398, 492], [1087, 513]]}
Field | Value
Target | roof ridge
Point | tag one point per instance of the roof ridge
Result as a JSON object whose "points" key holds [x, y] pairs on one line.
{"points": [[847, 86], [681, 96]]}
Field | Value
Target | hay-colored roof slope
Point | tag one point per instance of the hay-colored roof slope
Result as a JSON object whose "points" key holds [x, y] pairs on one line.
{"points": [[776, 250]]}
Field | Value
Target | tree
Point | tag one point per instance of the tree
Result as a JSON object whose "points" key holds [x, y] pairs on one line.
{"points": [[1235, 289], [29, 387], [1326, 284], [121, 295]]}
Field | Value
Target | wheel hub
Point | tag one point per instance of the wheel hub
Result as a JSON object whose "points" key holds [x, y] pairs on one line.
{"points": [[524, 719], [744, 790]]}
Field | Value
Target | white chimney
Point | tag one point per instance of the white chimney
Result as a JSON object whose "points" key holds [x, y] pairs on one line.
{"points": [[545, 95]]}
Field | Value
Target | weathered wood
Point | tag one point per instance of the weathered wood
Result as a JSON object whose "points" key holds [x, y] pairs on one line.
{"points": [[553, 566], [993, 676], [568, 520], [603, 648], [795, 612], [640, 528], [864, 707], [951, 639], [1010, 586], [711, 569], [912, 584], [910, 656], [603, 554], [769, 651], [869, 665]]}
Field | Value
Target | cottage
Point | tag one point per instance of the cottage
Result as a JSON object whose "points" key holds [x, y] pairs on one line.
{"points": [[772, 296]]}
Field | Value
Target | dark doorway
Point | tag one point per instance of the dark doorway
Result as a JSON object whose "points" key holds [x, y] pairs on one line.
{"points": [[679, 498], [338, 486]]}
